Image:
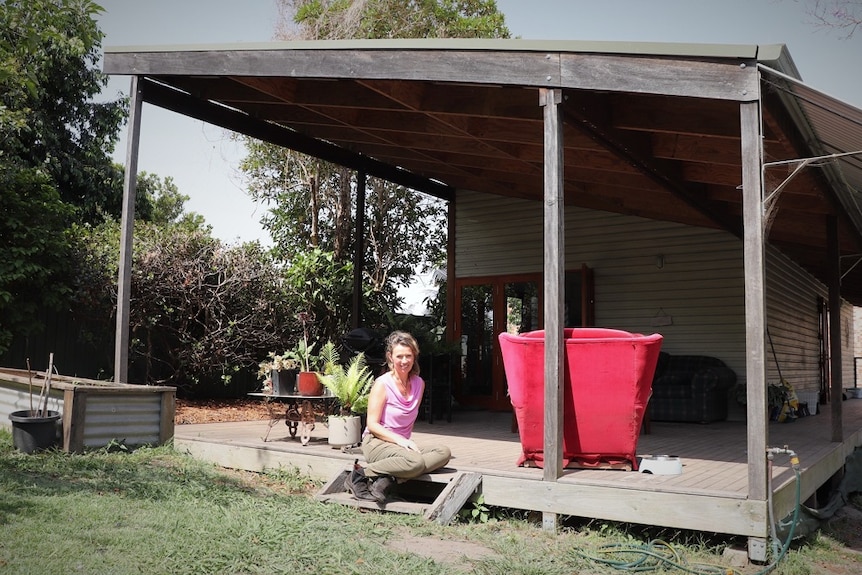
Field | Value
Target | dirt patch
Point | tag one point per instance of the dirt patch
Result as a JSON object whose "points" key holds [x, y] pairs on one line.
{"points": [[219, 410], [846, 526], [456, 554]]}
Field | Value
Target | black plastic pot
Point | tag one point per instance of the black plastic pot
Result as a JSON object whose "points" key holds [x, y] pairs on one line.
{"points": [[284, 381], [31, 433]]}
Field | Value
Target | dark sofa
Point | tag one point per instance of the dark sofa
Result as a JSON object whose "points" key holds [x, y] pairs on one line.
{"points": [[690, 388]]}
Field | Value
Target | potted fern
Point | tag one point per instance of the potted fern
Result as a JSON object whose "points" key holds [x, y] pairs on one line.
{"points": [[350, 385]]}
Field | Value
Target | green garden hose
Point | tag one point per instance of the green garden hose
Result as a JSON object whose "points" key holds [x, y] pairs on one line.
{"points": [[658, 554]]}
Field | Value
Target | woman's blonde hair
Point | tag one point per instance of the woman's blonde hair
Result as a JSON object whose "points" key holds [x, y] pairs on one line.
{"points": [[402, 338]]}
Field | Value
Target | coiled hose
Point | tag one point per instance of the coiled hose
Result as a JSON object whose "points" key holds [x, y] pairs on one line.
{"points": [[658, 554]]}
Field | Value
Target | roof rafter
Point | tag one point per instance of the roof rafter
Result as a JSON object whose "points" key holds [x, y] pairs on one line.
{"points": [[182, 103]]}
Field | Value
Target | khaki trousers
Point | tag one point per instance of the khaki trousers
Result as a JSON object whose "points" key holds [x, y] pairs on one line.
{"points": [[384, 458]]}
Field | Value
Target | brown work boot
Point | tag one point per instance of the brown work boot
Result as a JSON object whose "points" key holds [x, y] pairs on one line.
{"points": [[381, 486], [357, 484]]}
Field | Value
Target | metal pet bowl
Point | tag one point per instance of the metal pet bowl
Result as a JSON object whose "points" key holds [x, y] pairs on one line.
{"points": [[660, 465]]}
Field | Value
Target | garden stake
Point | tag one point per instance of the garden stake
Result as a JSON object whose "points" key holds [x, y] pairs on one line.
{"points": [[43, 403], [30, 379]]}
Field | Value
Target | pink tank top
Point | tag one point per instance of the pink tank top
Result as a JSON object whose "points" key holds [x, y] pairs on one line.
{"points": [[399, 412]]}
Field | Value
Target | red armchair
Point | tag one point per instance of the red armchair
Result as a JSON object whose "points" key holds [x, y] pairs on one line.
{"points": [[608, 380]]}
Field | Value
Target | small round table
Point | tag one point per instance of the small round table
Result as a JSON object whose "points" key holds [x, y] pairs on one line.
{"points": [[300, 414]]}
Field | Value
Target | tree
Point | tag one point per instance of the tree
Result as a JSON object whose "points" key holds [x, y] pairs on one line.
{"points": [[49, 54], [321, 288], [55, 147], [201, 311], [33, 249], [370, 19], [843, 15], [93, 256], [313, 202], [164, 204]]}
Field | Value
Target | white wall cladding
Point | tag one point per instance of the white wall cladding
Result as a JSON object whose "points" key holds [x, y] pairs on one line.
{"points": [[699, 286], [503, 236], [794, 325]]}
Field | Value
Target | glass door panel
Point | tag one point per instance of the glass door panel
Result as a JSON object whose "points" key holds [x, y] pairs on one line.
{"points": [[476, 325], [522, 307], [521, 315], [486, 307]]}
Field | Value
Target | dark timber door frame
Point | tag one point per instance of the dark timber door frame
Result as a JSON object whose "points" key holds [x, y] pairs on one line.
{"points": [[489, 305]]}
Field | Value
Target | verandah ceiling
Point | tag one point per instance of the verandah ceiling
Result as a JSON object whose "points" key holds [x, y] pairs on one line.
{"points": [[651, 131]]}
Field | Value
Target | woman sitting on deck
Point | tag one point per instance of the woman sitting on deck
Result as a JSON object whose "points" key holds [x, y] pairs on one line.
{"points": [[393, 405]]}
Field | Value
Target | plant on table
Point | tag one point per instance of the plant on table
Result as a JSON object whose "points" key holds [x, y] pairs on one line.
{"points": [[307, 382], [304, 352], [275, 362], [304, 355]]}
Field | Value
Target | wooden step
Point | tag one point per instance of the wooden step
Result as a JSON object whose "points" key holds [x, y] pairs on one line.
{"points": [[437, 496]]}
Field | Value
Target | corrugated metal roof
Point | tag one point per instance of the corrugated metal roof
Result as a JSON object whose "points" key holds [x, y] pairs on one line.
{"points": [[835, 134]]}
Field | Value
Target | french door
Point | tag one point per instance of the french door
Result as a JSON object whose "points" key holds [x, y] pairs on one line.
{"points": [[488, 306]]}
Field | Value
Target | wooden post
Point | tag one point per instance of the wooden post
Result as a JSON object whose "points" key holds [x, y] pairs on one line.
{"points": [[833, 265], [754, 256], [127, 229], [167, 413], [74, 419], [451, 328], [755, 306], [554, 264]]}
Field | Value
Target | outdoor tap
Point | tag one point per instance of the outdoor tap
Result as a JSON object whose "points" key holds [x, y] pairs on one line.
{"points": [[794, 459]]}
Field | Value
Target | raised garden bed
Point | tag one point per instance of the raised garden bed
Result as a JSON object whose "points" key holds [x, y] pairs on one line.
{"points": [[94, 413]]}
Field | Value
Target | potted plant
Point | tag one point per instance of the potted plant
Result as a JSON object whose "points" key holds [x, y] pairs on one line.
{"points": [[307, 382], [350, 385], [36, 429], [278, 373]]}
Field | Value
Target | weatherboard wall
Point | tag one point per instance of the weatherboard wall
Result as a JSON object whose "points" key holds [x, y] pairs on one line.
{"points": [[684, 282]]}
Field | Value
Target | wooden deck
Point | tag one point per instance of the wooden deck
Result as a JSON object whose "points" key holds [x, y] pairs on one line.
{"points": [[709, 495]]}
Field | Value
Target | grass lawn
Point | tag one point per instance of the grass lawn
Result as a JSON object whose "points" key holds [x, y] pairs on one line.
{"points": [[155, 511]]}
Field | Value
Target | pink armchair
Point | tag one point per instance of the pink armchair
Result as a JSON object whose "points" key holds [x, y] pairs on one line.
{"points": [[608, 380]]}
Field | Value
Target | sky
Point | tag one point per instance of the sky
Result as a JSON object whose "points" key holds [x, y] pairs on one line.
{"points": [[203, 161]]}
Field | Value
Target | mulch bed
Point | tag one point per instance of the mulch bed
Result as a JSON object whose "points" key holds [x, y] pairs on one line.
{"points": [[219, 410]]}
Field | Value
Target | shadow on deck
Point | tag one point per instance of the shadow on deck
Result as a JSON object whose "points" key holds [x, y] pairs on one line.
{"points": [[709, 495]]}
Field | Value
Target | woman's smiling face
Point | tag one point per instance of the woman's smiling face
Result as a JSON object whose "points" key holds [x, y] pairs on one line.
{"points": [[401, 359]]}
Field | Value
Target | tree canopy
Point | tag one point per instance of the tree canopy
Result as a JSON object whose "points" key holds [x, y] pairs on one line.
{"points": [[844, 15], [49, 52], [371, 19], [55, 146], [312, 203]]}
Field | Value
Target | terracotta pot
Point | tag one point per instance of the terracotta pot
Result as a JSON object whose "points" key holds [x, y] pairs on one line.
{"points": [[308, 384]]}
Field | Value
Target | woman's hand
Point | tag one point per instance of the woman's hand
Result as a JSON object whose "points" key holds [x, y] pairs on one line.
{"points": [[407, 444]]}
